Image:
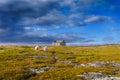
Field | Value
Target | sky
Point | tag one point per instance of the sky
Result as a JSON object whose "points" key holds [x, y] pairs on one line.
{"points": [[78, 22]]}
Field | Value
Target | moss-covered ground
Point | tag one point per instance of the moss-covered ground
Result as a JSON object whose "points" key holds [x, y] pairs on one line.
{"points": [[15, 60]]}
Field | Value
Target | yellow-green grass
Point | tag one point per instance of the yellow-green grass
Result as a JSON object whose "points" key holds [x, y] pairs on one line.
{"points": [[15, 60]]}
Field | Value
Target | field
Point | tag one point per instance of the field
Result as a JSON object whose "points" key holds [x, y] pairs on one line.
{"points": [[17, 62]]}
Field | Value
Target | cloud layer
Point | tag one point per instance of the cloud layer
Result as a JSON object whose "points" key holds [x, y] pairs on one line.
{"points": [[30, 21]]}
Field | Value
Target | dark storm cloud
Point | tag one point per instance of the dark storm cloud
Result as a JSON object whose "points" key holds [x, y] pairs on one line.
{"points": [[27, 39], [38, 12], [15, 15], [51, 18], [45, 12], [14, 11], [45, 39]]}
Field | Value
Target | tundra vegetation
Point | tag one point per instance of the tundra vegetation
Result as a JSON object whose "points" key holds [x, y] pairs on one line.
{"points": [[17, 61]]}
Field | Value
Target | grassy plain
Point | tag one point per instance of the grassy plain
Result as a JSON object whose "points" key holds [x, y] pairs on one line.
{"points": [[15, 60]]}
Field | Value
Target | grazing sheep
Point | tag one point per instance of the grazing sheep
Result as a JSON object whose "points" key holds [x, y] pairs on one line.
{"points": [[45, 49], [36, 48]]}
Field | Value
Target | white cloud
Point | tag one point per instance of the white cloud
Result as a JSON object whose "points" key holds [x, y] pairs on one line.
{"points": [[114, 29], [4, 1], [35, 31], [3, 30], [48, 19], [97, 18], [77, 15]]}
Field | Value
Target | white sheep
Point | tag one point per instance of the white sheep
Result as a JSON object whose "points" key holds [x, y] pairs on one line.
{"points": [[36, 48], [45, 49]]}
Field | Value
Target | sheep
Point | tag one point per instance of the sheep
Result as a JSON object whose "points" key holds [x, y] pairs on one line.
{"points": [[45, 49], [36, 48]]}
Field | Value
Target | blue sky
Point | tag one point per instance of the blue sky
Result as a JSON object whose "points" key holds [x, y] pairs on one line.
{"points": [[78, 22]]}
